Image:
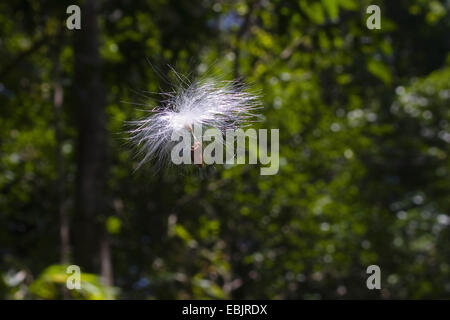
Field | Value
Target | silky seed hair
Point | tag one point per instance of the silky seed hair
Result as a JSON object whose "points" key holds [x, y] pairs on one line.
{"points": [[209, 102]]}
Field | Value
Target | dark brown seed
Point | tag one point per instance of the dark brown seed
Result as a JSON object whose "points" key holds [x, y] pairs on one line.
{"points": [[196, 149]]}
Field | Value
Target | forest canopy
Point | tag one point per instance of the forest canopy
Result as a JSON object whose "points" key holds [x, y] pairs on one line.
{"points": [[364, 132]]}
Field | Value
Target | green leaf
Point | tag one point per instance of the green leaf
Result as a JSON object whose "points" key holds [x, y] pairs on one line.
{"points": [[332, 8], [113, 225], [379, 70], [348, 4]]}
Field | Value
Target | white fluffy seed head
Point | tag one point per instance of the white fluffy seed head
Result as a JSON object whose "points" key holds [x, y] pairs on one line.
{"points": [[210, 103]]}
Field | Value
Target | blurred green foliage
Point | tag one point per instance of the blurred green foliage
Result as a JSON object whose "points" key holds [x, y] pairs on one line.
{"points": [[364, 140], [55, 276]]}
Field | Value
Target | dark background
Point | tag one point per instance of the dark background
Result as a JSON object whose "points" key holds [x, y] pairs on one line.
{"points": [[364, 140]]}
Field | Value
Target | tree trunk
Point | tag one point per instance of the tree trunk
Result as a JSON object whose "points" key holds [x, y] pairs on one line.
{"points": [[58, 97], [64, 228], [92, 246]]}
